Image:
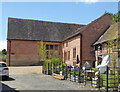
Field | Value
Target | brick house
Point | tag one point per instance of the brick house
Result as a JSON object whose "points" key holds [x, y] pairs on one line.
{"points": [[67, 41], [101, 45]]}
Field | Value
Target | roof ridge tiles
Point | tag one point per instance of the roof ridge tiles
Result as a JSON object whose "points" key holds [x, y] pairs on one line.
{"points": [[10, 18]]}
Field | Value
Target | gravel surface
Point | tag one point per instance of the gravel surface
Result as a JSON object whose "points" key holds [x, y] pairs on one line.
{"points": [[33, 81]]}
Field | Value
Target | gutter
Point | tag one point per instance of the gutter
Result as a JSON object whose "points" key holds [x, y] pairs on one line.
{"points": [[9, 51], [81, 51]]}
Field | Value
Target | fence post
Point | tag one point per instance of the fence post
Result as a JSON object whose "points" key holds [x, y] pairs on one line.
{"points": [[54, 67], [118, 79], [62, 68], [66, 73], [70, 73], [59, 68], [107, 79], [91, 76], [79, 76], [48, 68], [74, 75], [99, 79], [51, 69], [85, 76]]}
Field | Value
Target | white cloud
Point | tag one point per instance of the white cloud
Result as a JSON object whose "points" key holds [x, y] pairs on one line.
{"points": [[90, 1], [3, 45]]}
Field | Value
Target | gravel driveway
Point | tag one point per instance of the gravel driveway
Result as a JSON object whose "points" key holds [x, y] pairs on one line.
{"points": [[33, 81]]}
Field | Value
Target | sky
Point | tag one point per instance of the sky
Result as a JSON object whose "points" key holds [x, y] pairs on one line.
{"points": [[65, 12]]}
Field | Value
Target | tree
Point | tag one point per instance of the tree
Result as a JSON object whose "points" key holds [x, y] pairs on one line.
{"points": [[116, 17], [4, 52], [42, 51], [43, 55]]}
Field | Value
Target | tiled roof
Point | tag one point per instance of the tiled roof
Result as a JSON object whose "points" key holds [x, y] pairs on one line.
{"points": [[110, 34], [25, 29]]}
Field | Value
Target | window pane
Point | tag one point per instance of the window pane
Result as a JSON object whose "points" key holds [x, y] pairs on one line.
{"points": [[47, 47], [74, 63], [47, 57], [3, 65], [65, 56], [56, 53], [74, 53], [51, 47], [68, 55], [51, 53], [96, 47], [100, 47], [47, 54], [66, 44], [56, 47]]}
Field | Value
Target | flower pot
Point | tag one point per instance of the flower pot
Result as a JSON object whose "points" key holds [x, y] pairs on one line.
{"points": [[81, 79], [72, 78], [99, 82], [119, 88], [76, 78], [46, 72], [49, 72], [61, 73]]}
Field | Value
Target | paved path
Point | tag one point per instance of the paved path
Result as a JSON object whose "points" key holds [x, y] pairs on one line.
{"points": [[25, 70], [39, 82]]}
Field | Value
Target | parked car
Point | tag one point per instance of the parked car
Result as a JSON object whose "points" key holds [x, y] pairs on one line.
{"points": [[4, 71]]}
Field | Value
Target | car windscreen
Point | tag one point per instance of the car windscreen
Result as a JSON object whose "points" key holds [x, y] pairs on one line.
{"points": [[2, 65]]}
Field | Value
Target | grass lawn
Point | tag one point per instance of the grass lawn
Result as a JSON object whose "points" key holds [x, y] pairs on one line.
{"points": [[113, 81], [37, 73]]}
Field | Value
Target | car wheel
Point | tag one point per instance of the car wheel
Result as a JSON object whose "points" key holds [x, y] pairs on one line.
{"points": [[7, 77]]}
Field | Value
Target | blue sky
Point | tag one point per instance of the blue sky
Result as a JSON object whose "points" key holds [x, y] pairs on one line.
{"points": [[73, 12]]}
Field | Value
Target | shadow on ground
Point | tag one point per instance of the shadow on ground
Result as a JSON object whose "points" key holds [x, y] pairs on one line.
{"points": [[9, 79], [6, 88]]}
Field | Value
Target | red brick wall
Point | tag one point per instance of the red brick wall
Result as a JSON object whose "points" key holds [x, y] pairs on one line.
{"points": [[91, 34], [25, 52], [73, 42]]}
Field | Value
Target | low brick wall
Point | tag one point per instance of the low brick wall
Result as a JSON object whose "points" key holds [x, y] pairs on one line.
{"points": [[25, 70]]}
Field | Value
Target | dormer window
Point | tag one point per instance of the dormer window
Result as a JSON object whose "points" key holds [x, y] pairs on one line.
{"points": [[66, 44], [100, 47]]}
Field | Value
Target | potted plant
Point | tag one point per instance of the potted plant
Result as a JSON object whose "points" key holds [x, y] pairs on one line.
{"points": [[77, 71], [47, 67], [99, 81], [79, 76], [72, 77], [62, 68]]}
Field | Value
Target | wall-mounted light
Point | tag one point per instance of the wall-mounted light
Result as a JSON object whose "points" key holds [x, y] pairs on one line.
{"points": [[12, 53]]}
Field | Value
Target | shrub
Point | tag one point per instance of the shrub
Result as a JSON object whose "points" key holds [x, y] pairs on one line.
{"points": [[46, 63], [62, 66], [76, 71], [56, 61], [95, 69]]}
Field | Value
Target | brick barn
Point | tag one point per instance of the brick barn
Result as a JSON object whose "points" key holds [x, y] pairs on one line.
{"points": [[101, 45], [67, 41]]}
